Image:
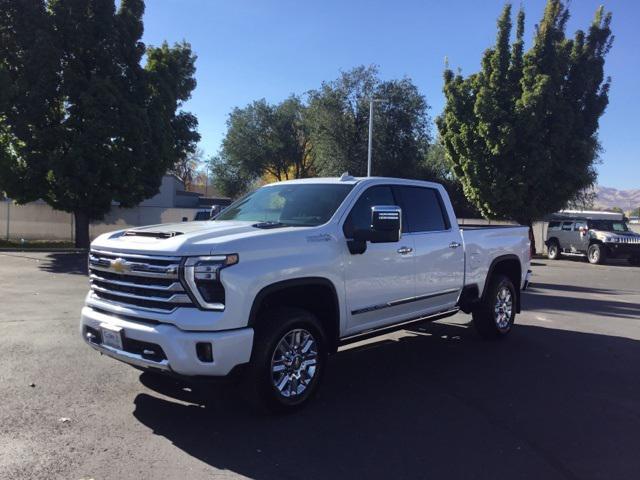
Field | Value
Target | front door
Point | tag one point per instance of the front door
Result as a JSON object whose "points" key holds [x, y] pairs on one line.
{"points": [[378, 281]]}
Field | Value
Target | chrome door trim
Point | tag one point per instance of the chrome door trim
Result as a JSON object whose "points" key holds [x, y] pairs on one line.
{"points": [[402, 301]]}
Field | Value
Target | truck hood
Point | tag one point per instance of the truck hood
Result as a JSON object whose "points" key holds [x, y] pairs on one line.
{"points": [[618, 236], [186, 238]]}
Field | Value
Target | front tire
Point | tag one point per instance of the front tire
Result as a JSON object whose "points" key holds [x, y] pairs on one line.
{"points": [[288, 360], [495, 315], [596, 254], [553, 251]]}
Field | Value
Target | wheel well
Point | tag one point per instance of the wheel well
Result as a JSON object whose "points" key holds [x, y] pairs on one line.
{"points": [[316, 295], [508, 265], [552, 240]]}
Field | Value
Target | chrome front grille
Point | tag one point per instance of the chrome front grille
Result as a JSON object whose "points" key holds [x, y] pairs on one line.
{"points": [[137, 281], [633, 240]]}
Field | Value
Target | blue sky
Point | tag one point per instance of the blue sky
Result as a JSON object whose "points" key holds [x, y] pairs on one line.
{"points": [[269, 49]]}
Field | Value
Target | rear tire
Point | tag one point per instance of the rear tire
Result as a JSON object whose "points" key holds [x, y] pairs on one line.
{"points": [[553, 251], [496, 313], [288, 360], [596, 254]]}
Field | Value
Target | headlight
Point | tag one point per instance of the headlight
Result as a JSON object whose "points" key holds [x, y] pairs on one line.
{"points": [[607, 239], [202, 275]]}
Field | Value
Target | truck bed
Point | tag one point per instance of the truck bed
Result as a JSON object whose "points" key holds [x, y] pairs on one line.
{"points": [[484, 243]]}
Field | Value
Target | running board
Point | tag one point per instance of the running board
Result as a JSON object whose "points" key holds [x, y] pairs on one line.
{"points": [[574, 254], [398, 326]]}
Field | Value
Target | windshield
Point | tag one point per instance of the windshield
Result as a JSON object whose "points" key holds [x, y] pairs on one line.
{"points": [[609, 225], [297, 205]]}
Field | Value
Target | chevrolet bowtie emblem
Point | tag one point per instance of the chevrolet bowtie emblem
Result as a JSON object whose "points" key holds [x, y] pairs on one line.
{"points": [[119, 265]]}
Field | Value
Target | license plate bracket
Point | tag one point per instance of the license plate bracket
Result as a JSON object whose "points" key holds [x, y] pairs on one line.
{"points": [[112, 336]]}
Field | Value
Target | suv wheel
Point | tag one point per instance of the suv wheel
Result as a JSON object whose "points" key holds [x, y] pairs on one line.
{"points": [[495, 315], [553, 251], [288, 359], [596, 254]]}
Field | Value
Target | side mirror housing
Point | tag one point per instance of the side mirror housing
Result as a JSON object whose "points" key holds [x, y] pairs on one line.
{"points": [[386, 227]]}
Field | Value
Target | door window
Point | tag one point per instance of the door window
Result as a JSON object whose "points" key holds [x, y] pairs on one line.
{"points": [[360, 215], [579, 225], [423, 210], [567, 226]]}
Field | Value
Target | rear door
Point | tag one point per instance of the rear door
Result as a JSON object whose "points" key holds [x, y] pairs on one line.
{"points": [[579, 239], [565, 235], [439, 255]]}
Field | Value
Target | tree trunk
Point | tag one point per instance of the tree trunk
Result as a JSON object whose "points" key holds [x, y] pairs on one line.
{"points": [[81, 229]]}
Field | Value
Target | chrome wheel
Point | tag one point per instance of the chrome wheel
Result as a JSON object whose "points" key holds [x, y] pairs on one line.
{"points": [[294, 363], [503, 307], [594, 255]]}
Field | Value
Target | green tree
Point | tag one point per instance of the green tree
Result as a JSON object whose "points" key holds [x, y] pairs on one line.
{"points": [[436, 168], [263, 140], [521, 134], [82, 124], [338, 125]]}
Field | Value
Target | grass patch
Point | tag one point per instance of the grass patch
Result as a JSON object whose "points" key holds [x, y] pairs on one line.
{"points": [[35, 244]]}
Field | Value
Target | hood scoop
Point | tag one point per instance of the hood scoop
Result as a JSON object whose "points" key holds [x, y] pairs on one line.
{"points": [[150, 234]]}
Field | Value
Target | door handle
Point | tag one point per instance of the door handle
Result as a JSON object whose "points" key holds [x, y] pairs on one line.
{"points": [[405, 250], [454, 245]]}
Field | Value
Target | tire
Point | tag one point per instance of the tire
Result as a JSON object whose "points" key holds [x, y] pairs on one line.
{"points": [[596, 254], [496, 313], [634, 260], [295, 385], [553, 250]]}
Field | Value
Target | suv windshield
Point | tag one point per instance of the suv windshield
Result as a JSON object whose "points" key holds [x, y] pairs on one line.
{"points": [[297, 205], [609, 225]]}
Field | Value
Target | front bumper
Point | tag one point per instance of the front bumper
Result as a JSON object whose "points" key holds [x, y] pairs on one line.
{"points": [[230, 347], [622, 249]]}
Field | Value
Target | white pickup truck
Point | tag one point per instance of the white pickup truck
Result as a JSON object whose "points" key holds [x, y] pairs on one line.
{"points": [[287, 274]]}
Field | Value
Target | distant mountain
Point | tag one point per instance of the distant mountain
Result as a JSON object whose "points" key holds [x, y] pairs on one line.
{"points": [[607, 198]]}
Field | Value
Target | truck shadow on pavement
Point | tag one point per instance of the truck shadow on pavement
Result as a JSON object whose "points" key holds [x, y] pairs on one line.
{"points": [[432, 402], [73, 263], [537, 299]]}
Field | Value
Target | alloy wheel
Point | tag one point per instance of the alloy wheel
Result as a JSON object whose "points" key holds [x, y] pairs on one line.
{"points": [[294, 363], [503, 307]]}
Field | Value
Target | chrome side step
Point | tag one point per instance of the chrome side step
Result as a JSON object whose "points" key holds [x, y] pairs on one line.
{"points": [[398, 326]]}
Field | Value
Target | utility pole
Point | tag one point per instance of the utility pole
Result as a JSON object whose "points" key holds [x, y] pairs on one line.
{"points": [[370, 137]]}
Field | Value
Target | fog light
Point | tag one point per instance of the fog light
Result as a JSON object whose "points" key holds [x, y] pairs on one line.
{"points": [[204, 352]]}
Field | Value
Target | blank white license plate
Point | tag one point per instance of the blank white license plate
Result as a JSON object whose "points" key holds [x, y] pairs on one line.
{"points": [[111, 336]]}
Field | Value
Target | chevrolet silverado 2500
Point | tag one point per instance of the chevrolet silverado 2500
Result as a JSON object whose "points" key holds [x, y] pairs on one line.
{"points": [[287, 274]]}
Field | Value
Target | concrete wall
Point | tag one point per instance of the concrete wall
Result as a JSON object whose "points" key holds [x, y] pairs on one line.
{"points": [[38, 221]]}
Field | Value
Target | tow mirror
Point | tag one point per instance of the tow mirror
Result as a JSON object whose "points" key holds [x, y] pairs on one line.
{"points": [[386, 227]]}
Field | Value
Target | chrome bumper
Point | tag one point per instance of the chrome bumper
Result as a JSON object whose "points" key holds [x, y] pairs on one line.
{"points": [[230, 347]]}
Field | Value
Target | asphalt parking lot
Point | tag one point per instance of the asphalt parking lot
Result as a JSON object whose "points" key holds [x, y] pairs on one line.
{"points": [[558, 399]]}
